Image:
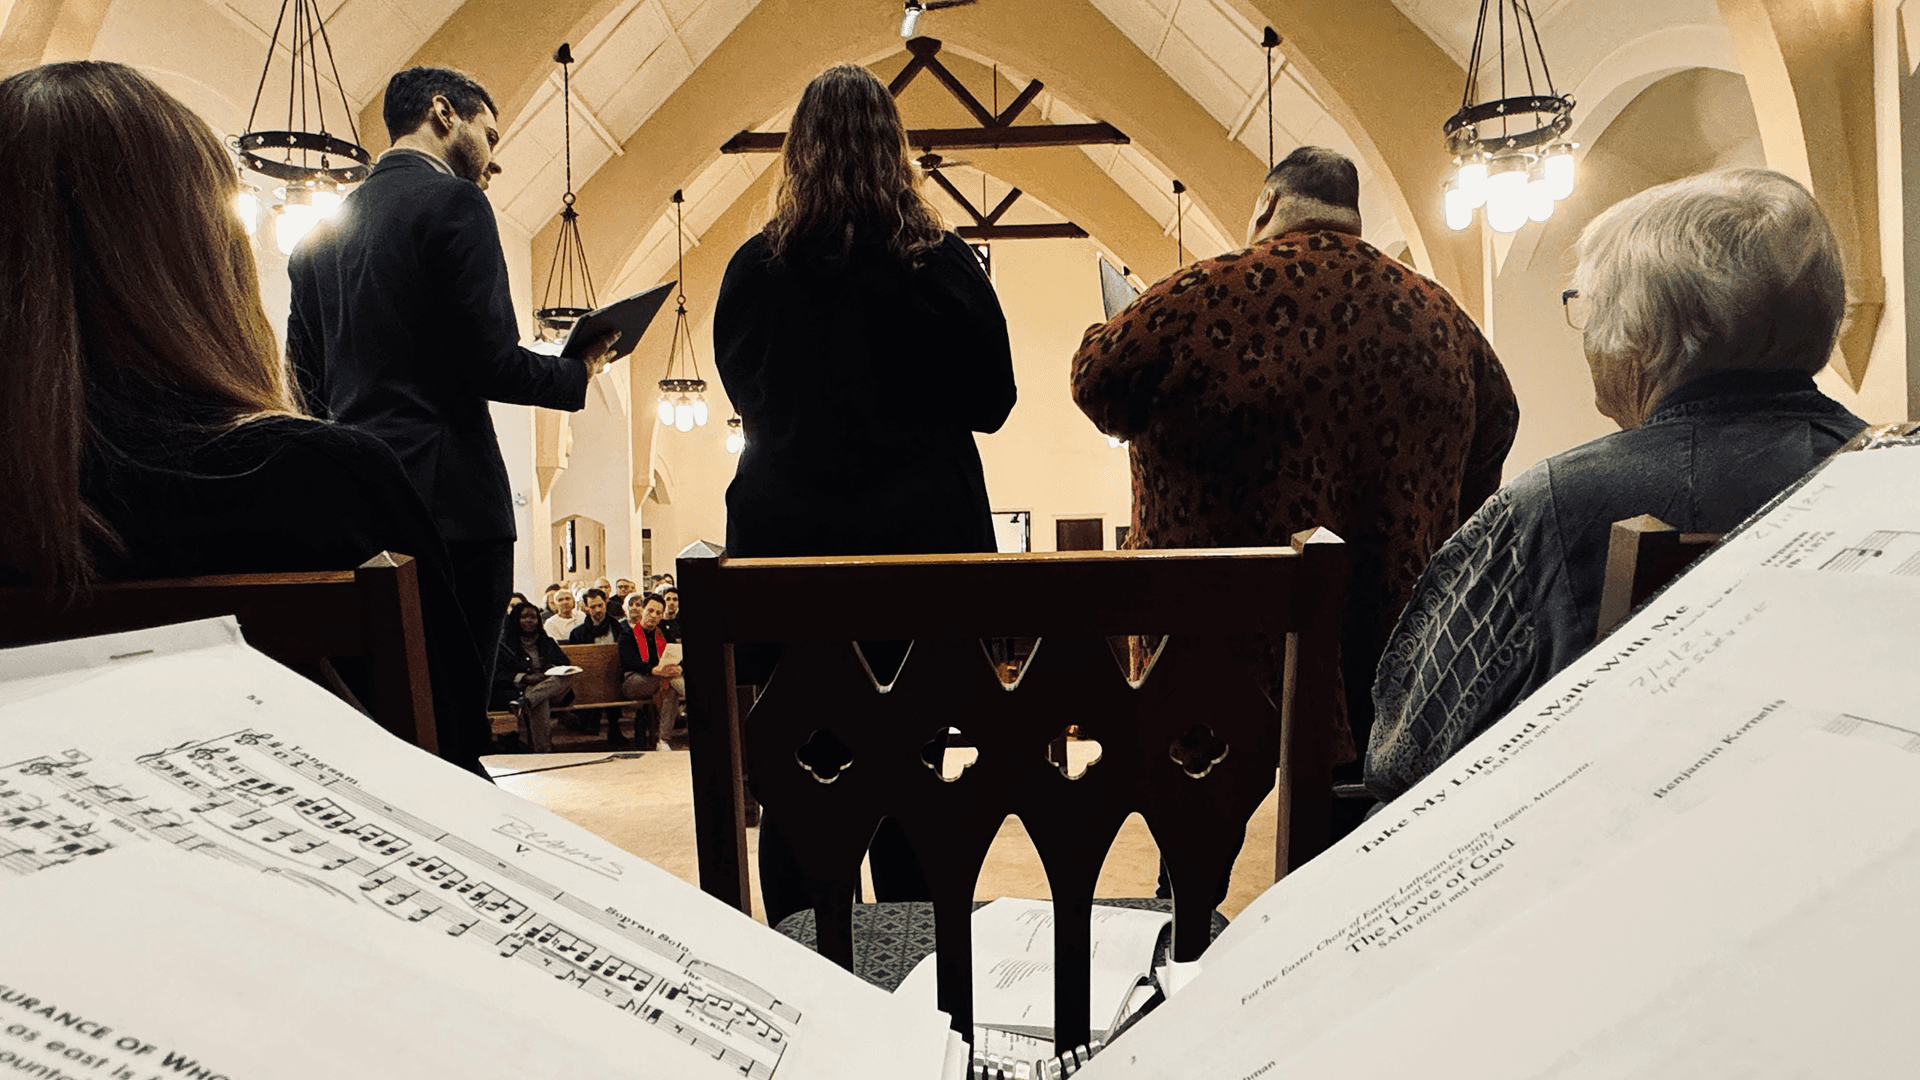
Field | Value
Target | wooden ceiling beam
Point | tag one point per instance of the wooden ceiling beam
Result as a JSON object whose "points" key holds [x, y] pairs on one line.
{"points": [[999, 138]]}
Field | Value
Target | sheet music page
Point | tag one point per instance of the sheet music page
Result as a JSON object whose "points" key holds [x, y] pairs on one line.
{"points": [[1800, 619], [185, 741], [1764, 934], [1013, 964], [152, 964]]}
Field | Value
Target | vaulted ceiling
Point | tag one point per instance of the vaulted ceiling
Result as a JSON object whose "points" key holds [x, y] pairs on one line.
{"points": [[660, 84]]}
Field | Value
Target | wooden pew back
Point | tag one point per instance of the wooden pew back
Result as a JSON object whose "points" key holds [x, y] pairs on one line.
{"points": [[299, 619], [1193, 748]]}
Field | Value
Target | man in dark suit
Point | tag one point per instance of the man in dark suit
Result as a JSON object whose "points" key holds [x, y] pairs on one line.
{"points": [[402, 325]]}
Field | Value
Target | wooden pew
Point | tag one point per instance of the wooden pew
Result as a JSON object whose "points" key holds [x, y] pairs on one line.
{"points": [[303, 620]]}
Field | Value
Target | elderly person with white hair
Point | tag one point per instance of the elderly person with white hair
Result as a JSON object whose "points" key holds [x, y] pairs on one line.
{"points": [[1707, 305]]}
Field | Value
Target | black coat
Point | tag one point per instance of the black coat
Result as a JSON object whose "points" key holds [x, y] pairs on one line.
{"points": [[860, 382], [512, 667], [402, 325], [288, 494]]}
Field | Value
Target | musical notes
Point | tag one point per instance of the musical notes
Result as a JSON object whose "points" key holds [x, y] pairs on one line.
{"points": [[265, 804]]}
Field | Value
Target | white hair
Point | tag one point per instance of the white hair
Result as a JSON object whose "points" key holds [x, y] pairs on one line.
{"points": [[1734, 269]]}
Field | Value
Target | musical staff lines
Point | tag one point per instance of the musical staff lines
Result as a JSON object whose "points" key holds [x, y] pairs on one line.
{"points": [[267, 805], [1886, 551]]}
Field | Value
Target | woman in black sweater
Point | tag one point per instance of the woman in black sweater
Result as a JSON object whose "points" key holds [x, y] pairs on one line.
{"points": [[151, 430], [862, 345], [520, 672]]}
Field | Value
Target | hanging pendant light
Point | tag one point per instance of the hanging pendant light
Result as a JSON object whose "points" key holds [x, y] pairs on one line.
{"points": [[569, 291], [736, 434], [1520, 170], [1179, 224], [1269, 40], [312, 164], [683, 403]]}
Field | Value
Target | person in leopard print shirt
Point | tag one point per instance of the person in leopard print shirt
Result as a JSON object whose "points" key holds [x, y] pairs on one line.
{"points": [[1305, 380]]}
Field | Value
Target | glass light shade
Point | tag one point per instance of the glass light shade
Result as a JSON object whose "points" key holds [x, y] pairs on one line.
{"points": [[736, 442], [247, 205], [1507, 200], [1559, 169], [1472, 183], [1116, 443], [700, 410], [1539, 196], [294, 222], [326, 203], [1459, 214], [665, 410], [683, 414]]}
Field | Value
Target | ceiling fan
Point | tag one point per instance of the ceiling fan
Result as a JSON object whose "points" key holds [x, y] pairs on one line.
{"points": [[916, 8]]}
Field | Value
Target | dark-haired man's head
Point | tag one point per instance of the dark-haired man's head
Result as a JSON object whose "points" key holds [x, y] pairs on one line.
{"points": [[652, 610], [445, 113], [1312, 188], [595, 601]]}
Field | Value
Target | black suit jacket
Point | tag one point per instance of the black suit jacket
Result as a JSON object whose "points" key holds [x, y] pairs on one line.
{"points": [[402, 325]]}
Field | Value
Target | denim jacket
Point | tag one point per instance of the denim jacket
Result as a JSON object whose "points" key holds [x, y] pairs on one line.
{"points": [[1514, 596]]}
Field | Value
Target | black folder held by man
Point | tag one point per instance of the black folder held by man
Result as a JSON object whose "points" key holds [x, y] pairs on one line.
{"points": [[630, 317]]}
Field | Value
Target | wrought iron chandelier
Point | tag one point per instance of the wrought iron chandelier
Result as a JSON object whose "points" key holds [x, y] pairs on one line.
{"points": [[569, 291], [683, 402], [312, 164], [1512, 154]]}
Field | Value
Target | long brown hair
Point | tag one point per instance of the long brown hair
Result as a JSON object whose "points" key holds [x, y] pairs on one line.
{"points": [[846, 172], [129, 300]]}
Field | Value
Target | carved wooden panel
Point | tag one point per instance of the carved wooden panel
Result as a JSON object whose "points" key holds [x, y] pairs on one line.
{"points": [[1192, 749]]}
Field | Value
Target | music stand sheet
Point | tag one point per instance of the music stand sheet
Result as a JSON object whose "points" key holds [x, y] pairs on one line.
{"points": [[1800, 620], [184, 741]]}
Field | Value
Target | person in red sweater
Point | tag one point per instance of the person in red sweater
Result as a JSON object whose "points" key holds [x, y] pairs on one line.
{"points": [[648, 674]]}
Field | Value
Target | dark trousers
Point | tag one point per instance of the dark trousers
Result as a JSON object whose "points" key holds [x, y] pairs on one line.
{"points": [[482, 581]]}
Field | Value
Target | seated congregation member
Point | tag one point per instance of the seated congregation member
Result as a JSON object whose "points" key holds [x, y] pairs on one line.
{"points": [[151, 428], [670, 625], [1712, 302], [856, 277], [598, 625], [520, 673], [623, 588], [547, 610], [516, 598], [646, 678], [566, 615], [1305, 380]]}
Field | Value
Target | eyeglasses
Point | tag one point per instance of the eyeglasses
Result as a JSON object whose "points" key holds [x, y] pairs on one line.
{"points": [[1577, 308]]}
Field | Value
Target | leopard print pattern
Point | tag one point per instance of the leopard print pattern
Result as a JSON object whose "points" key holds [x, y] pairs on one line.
{"points": [[1309, 380]]}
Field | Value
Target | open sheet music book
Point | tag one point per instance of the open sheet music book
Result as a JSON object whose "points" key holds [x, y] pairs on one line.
{"points": [[206, 858], [1013, 973]]}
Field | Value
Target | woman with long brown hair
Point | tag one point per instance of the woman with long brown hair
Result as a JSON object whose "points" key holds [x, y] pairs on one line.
{"points": [[862, 344], [150, 427]]}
